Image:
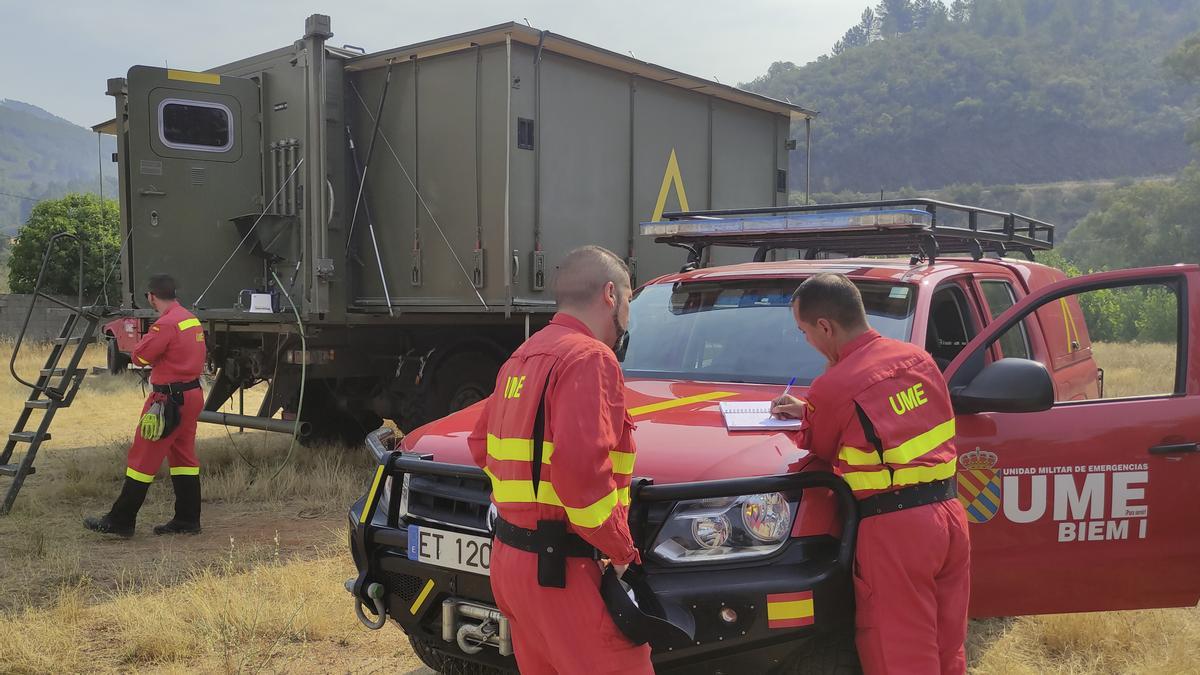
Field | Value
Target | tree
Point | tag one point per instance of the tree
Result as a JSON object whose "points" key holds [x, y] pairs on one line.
{"points": [[96, 225], [928, 14], [865, 31], [960, 11], [895, 17]]}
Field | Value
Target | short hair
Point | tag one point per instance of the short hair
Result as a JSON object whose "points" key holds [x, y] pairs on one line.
{"points": [[162, 286], [584, 271], [830, 296]]}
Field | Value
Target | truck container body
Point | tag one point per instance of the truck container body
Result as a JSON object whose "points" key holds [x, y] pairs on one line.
{"points": [[411, 204]]}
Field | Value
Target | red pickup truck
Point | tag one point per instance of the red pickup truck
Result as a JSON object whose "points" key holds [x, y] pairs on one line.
{"points": [[1057, 469]]}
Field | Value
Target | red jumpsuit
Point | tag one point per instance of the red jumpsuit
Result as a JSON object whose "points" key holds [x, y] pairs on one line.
{"points": [[587, 466], [912, 566], [174, 349]]}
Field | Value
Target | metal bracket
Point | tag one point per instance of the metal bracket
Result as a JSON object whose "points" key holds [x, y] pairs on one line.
{"points": [[477, 273], [325, 267], [416, 267], [539, 270]]}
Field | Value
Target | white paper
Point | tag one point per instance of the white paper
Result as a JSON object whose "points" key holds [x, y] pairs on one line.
{"points": [[754, 416]]}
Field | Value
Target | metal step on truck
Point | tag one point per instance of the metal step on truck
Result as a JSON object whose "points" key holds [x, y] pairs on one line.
{"points": [[404, 209]]}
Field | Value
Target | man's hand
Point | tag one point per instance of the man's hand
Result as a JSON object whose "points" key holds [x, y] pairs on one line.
{"points": [[786, 407], [605, 563]]}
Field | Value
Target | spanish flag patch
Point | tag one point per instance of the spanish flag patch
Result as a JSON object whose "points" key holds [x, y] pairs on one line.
{"points": [[790, 610]]}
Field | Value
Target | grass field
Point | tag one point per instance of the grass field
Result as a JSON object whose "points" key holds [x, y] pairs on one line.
{"points": [[261, 589]]}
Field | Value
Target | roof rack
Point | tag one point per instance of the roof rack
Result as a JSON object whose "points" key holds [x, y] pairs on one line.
{"points": [[922, 228]]}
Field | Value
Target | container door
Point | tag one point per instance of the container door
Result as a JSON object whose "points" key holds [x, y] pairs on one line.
{"points": [[193, 167], [1084, 504]]}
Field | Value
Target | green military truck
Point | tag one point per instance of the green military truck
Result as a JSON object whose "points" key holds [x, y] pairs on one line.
{"points": [[404, 209]]}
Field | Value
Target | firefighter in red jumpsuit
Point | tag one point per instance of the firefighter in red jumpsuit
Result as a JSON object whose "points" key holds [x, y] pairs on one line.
{"points": [[881, 416], [555, 440], [174, 349]]}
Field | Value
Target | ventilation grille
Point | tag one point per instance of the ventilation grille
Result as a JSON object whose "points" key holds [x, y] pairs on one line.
{"points": [[199, 176]]}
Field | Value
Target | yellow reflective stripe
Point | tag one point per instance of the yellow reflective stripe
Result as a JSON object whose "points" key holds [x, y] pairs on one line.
{"points": [[516, 449], [675, 403], [919, 445], [421, 598], [924, 474], [371, 495], [622, 462], [138, 475], [141, 361], [521, 492], [185, 471], [856, 457], [594, 514], [623, 496], [189, 76], [868, 480], [189, 323]]}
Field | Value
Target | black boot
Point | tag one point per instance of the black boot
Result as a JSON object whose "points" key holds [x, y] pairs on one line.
{"points": [[187, 507], [122, 518]]}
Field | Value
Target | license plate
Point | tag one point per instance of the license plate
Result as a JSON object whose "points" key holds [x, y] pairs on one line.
{"points": [[450, 549]]}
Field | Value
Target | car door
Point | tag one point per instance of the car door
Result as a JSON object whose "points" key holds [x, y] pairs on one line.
{"points": [[1083, 505]]}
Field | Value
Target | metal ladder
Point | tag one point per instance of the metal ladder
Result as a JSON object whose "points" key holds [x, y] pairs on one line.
{"points": [[56, 384], [54, 389]]}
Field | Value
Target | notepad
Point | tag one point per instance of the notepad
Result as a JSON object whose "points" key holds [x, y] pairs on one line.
{"points": [[754, 416]]}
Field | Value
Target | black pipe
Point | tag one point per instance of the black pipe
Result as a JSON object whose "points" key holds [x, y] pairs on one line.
{"points": [[259, 423]]}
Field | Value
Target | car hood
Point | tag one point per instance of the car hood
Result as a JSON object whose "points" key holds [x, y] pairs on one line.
{"points": [[680, 434]]}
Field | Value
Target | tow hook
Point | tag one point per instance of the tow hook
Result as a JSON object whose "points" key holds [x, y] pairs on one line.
{"points": [[375, 592], [479, 625]]}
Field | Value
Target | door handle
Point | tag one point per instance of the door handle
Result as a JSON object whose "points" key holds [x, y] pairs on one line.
{"points": [[1175, 448], [151, 192]]}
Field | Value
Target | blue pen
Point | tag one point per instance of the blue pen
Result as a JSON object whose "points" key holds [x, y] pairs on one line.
{"points": [[789, 386]]}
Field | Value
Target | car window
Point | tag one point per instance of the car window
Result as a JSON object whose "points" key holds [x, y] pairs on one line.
{"points": [[1000, 297], [950, 325], [741, 331]]}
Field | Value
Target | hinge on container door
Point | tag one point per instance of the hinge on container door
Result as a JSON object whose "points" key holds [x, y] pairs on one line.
{"points": [[477, 273], [416, 266], [631, 262], [539, 270]]}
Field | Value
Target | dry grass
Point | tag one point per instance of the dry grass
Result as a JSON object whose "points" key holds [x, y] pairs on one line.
{"points": [[1132, 369], [261, 589]]}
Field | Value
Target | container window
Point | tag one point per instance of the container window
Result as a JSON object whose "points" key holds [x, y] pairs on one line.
{"points": [[195, 125], [524, 133], [781, 180]]}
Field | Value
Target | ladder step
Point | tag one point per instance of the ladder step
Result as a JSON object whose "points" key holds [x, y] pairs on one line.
{"points": [[74, 340], [11, 470], [59, 372], [40, 404], [27, 436]]}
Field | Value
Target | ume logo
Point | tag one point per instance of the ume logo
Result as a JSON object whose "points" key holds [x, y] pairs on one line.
{"points": [[909, 399], [1080, 508]]}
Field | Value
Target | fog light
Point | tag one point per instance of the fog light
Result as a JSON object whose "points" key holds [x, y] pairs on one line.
{"points": [[728, 615], [711, 531]]}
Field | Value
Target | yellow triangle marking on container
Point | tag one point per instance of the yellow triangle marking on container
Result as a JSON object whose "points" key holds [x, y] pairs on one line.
{"points": [[678, 402], [670, 177]]}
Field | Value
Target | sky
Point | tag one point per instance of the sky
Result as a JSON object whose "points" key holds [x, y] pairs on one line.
{"points": [[60, 53]]}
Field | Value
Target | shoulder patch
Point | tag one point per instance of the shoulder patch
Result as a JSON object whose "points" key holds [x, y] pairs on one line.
{"points": [[154, 328]]}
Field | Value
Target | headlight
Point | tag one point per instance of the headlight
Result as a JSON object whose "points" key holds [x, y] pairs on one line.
{"points": [[726, 528]]}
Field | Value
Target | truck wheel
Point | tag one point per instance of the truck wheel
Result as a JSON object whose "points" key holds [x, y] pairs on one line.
{"points": [[448, 664], [827, 654], [117, 361], [462, 380]]}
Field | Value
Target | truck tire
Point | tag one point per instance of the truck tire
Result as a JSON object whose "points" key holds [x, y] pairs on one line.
{"points": [[460, 381], [827, 654], [448, 664], [117, 362]]}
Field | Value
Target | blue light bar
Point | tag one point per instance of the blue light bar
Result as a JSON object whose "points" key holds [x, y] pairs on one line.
{"points": [[832, 221]]}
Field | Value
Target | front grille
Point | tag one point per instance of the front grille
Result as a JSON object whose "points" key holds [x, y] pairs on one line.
{"points": [[407, 586], [462, 502]]}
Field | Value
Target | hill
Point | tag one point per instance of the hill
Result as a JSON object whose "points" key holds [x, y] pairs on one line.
{"points": [[995, 92], [43, 156]]}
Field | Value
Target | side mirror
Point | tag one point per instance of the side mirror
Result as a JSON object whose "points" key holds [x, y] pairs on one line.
{"points": [[1008, 385]]}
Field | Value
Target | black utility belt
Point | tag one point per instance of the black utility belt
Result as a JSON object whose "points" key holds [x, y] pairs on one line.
{"points": [[176, 387], [552, 543], [908, 497]]}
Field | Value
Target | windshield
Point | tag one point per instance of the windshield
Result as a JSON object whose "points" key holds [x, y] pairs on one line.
{"points": [[741, 331]]}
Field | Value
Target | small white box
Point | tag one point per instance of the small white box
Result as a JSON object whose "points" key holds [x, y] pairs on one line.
{"points": [[261, 303]]}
